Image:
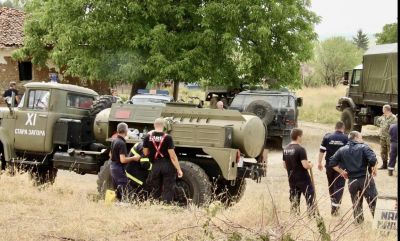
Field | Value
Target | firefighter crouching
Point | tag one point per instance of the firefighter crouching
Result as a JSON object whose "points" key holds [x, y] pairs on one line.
{"points": [[138, 171]]}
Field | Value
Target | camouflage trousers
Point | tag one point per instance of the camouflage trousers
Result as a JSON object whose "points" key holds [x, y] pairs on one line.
{"points": [[385, 146]]}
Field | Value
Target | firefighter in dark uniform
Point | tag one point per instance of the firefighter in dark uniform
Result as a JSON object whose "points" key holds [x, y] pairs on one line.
{"points": [[159, 148], [138, 171], [330, 144], [357, 162], [296, 163], [118, 155]]}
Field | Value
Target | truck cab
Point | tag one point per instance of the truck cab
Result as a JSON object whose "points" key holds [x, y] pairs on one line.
{"points": [[50, 117], [371, 85]]}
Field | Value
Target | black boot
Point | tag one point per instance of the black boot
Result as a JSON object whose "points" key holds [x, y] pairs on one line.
{"points": [[390, 173], [384, 166], [334, 211]]}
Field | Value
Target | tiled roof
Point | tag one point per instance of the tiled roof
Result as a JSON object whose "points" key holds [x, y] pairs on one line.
{"points": [[11, 27]]}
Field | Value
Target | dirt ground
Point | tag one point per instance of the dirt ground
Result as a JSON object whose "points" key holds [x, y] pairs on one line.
{"points": [[68, 210]]}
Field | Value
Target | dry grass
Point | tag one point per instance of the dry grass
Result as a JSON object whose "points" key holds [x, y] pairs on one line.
{"points": [[319, 104], [68, 210]]}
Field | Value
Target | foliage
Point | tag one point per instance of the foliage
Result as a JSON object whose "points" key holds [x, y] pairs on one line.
{"points": [[334, 56], [361, 40], [222, 42], [388, 34], [13, 3]]}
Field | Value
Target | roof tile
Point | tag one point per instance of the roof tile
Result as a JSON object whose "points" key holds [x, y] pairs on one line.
{"points": [[11, 27]]}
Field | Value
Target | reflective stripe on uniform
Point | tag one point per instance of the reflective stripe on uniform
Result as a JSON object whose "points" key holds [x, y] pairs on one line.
{"points": [[145, 159], [133, 178], [134, 151], [335, 204], [322, 148], [391, 168]]}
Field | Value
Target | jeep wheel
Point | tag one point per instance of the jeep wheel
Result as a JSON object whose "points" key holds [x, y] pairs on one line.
{"points": [[261, 109], [194, 186], [228, 194], [104, 179], [103, 102], [348, 120], [43, 175]]}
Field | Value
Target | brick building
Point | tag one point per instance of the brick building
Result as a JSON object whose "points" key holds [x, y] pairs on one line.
{"points": [[12, 38]]}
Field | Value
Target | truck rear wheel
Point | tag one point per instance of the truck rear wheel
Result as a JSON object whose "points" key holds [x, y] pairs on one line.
{"points": [[348, 120], [228, 194], [194, 186], [104, 179], [43, 175]]}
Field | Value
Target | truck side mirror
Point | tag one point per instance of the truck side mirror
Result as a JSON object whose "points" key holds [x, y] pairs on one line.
{"points": [[346, 75], [10, 100], [346, 78], [299, 101]]}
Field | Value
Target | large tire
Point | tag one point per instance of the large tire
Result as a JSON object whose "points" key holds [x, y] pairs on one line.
{"points": [[103, 102], [349, 122], [194, 187], [104, 179], [42, 175], [228, 194], [261, 109]]}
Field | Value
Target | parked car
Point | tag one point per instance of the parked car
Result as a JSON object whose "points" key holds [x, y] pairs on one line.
{"points": [[151, 96]]}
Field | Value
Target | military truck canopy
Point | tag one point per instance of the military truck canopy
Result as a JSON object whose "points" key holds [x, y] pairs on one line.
{"points": [[380, 69]]}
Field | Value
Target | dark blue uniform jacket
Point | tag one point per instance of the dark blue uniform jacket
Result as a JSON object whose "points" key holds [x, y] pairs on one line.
{"points": [[331, 143], [355, 158]]}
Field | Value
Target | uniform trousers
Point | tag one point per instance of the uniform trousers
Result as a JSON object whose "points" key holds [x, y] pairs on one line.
{"points": [[362, 187]]}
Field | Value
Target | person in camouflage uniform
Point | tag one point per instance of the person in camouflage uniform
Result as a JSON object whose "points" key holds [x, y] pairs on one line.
{"points": [[384, 123]]}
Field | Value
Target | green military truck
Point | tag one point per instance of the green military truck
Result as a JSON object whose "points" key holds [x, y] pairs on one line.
{"points": [[58, 126], [371, 85]]}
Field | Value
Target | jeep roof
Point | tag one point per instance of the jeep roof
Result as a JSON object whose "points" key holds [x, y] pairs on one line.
{"points": [[266, 92], [155, 98], [67, 87]]}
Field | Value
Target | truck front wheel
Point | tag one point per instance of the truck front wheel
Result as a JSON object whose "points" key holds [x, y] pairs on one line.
{"points": [[230, 194], [194, 186], [348, 120], [43, 175]]}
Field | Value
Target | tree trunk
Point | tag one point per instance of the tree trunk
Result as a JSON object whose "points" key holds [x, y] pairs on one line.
{"points": [[176, 90], [136, 85]]}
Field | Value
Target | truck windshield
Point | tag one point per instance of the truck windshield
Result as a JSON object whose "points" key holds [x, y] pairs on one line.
{"points": [[38, 99], [356, 77]]}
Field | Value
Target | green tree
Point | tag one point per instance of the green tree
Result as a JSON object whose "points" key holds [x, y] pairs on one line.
{"points": [[388, 34], [221, 42], [333, 57], [13, 3], [7, 3], [361, 40]]}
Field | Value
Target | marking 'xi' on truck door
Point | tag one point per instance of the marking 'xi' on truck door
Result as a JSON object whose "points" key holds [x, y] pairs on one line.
{"points": [[30, 121]]}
